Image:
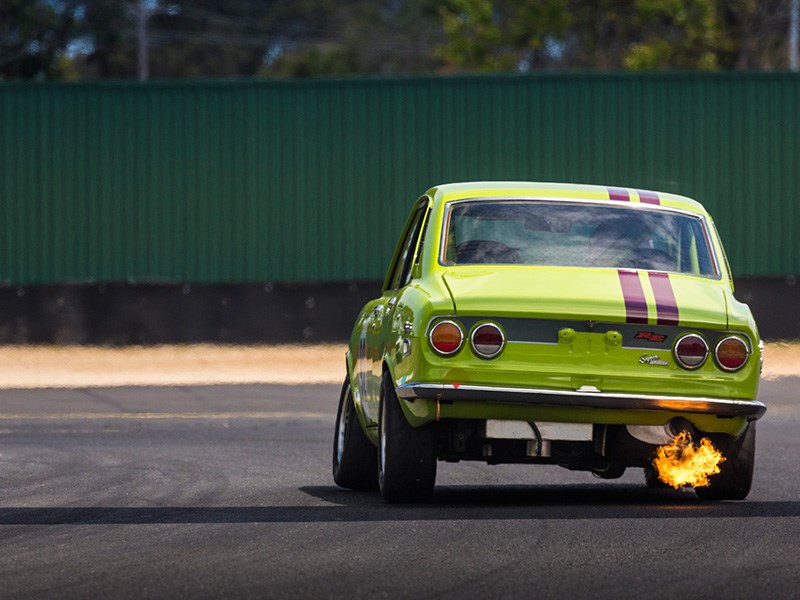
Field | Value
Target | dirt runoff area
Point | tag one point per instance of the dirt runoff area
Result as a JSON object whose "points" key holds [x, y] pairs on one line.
{"points": [[196, 364], [206, 364]]}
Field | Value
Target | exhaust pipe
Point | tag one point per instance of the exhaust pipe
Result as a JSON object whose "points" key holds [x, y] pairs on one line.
{"points": [[661, 435], [679, 424]]}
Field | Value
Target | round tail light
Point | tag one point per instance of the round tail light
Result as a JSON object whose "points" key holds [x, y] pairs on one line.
{"points": [[731, 353], [691, 351], [487, 340], [446, 337]]}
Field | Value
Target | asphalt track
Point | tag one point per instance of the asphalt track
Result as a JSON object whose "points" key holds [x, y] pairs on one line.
{"points": [[225, 491]]}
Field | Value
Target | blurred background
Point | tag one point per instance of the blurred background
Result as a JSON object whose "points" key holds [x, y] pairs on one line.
{"points": [[238, 171]]}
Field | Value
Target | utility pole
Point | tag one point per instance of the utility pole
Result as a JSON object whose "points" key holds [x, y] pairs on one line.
{"points": [[794, 26], [142, 13], [142, 10]]}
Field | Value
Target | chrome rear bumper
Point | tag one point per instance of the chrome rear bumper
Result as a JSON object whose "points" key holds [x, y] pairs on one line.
{"points": [[752, 409]]}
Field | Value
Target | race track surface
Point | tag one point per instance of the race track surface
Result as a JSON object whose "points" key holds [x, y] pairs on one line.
{"points": [[225, 491]]}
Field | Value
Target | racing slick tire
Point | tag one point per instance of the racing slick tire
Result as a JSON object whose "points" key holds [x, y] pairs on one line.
{"points": [[406, 454], [354, 456], [736, 473]]}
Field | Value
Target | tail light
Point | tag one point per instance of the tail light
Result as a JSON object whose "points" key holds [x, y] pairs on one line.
{"points": [[487, 340], [731, 353], [446, 337], [691, 351]]}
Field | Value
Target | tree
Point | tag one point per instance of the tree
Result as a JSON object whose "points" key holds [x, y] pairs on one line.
{"points": [[242, 38], [199, 38], [614, 34], [487, 35], [678, 34], [365, 36], [107, 26], [87, 39], [758, 31], [34, 35], [599, 33]]}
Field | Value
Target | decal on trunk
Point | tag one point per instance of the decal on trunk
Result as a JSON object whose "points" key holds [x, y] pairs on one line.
{"points": [[632, 292], [666, 307], [636, 310]]}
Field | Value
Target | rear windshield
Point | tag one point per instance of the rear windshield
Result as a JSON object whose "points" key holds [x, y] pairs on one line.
{"points": [[575, 234]]}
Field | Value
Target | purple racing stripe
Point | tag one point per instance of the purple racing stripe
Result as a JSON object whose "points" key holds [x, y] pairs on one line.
{"points": [[618, 194], [648, 197], [666, 307], [632, 292]]}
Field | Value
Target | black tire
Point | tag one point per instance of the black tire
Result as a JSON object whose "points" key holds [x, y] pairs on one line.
{"points": [[406, 454], [355, 458], [736, 473]]}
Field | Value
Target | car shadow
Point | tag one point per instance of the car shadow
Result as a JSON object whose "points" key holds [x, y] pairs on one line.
{"points": [[449, 503]]}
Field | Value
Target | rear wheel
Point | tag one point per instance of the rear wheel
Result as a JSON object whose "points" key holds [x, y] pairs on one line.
{"points": [[354, 456], [736, 473], [406, 454]]}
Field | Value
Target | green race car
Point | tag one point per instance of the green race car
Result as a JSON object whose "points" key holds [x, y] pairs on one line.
{"points": [[577, 325]]}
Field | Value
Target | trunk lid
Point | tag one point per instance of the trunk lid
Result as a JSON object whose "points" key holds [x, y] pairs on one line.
{"points": [[604, 295]]}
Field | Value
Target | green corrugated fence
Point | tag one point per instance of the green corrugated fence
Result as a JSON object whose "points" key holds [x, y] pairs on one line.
{"points": [[247, 181]]}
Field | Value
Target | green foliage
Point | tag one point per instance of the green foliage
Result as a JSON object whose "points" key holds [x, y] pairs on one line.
{"points": [[87, 39], [682, 34], [34, 35], [612, 34], [110, 28], [365, 36], [474, 37], [488, 35], [188, 38], [599, 33], [243, 38]]}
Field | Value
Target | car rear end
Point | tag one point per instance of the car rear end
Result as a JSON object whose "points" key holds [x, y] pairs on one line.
{"points": [[566, 345]]}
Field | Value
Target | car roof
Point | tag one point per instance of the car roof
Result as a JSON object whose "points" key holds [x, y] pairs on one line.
{"points": [[562, 191]]}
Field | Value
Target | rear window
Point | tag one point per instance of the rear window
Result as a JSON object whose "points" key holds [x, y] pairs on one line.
{"points": [[575, 234]]}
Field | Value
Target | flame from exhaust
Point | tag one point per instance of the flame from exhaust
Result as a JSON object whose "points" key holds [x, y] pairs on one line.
{"points": [[682, 463]]}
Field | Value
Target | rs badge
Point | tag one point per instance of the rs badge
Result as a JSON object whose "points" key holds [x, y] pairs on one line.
{"points": [[650, 336]]}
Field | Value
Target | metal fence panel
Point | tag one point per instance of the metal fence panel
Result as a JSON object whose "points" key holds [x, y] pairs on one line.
{"points": [[261, 180]]}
